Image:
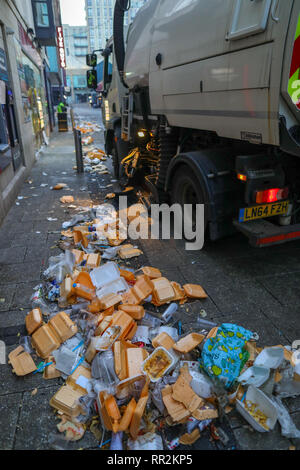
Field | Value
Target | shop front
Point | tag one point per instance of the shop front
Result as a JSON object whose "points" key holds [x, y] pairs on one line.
{"points": [[10, 150], [33, 90]]}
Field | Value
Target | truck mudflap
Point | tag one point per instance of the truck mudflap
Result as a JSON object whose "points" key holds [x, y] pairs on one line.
{"points": [[262, 233]]}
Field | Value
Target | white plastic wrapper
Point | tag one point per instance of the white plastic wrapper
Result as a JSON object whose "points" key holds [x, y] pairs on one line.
{"points": [[141, 335], [149, 441], [288, 427], [60, 266], [111, 253]]}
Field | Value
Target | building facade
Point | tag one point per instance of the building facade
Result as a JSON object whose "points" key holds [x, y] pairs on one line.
{"points": [[76, 43], [99, 16], [26, 113]]}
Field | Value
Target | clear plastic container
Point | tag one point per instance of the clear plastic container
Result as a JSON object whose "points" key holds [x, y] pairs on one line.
{"points": [[65, 360], [172, 332], [104, 342], [103, 369], [151, 321], [25, 342], [167, 316], [201, 326], [118, 286]]}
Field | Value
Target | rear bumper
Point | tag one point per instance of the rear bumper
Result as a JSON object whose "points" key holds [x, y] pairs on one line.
{"points": [[262, 233]]}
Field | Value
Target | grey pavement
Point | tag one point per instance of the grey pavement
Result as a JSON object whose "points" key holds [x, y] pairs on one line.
{"points": [[257, 289]]}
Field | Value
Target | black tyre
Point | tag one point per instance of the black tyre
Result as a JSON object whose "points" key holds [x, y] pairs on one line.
{"points": [[187, 189], [115, 159]]}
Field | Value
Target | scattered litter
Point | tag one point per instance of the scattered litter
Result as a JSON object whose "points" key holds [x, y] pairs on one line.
{"points": [[131, 366], [59, 186], [67, 199], [73, 432]]}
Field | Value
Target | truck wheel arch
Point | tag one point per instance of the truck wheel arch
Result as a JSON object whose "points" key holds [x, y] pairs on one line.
{"points": [[188, 160], [214, 171]]}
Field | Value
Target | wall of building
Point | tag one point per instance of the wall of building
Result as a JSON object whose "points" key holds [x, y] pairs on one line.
{"points": [[24, 67], [76, 43], [99, 16]]}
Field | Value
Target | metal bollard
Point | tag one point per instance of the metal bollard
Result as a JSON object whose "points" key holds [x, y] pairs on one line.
{"points": [[78, 148]]}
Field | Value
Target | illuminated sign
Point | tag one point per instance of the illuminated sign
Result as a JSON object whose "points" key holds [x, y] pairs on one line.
{"points": [[61, 47]]}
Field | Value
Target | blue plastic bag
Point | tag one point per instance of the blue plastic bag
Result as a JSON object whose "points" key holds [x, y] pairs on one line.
{"points": [[224, 356]]}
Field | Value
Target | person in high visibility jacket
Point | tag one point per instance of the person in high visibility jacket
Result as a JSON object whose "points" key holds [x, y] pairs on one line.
{"points": [[61, 108]]}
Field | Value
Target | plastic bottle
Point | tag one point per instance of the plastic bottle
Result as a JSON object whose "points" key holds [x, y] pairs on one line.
{"points": [[83, 291], [169, 312], [116, 441]]}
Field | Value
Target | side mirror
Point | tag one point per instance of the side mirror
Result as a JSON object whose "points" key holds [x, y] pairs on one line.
{"points": [[92, 82], [91, 60]]}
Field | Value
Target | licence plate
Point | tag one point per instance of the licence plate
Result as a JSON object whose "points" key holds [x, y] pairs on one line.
{"points": [[266, 210]]}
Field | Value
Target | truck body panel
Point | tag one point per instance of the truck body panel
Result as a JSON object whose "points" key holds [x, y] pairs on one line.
{"points": [[210, 112], [209, 77]]}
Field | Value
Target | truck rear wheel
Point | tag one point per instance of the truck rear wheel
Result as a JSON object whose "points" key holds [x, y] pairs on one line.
{"points": [[186, 189], [116, 163]]}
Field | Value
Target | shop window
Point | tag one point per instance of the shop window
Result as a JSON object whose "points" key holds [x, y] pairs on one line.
{"points": [[42, 14]]}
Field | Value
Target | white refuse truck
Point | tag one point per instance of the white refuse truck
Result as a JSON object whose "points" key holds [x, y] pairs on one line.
{"points": [[203, 107]]}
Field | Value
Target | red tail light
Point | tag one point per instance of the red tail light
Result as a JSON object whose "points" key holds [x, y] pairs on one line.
{"points": [[271, 195]]}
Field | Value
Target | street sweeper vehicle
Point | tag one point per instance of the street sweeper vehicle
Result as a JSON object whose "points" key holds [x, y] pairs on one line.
{"points": [[203, 107]]}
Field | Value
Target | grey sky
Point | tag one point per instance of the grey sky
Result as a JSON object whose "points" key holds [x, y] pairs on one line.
{"points": [[74, 16]]}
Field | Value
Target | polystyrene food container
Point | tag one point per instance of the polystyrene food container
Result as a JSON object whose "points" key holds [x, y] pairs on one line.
{"points": [[270, 358], [104, 275], [265, 405], [255, 375], [148, 365]]}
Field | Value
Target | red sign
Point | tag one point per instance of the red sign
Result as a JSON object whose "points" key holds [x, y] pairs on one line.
{"points": [[28, 46], [61, 47]]}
